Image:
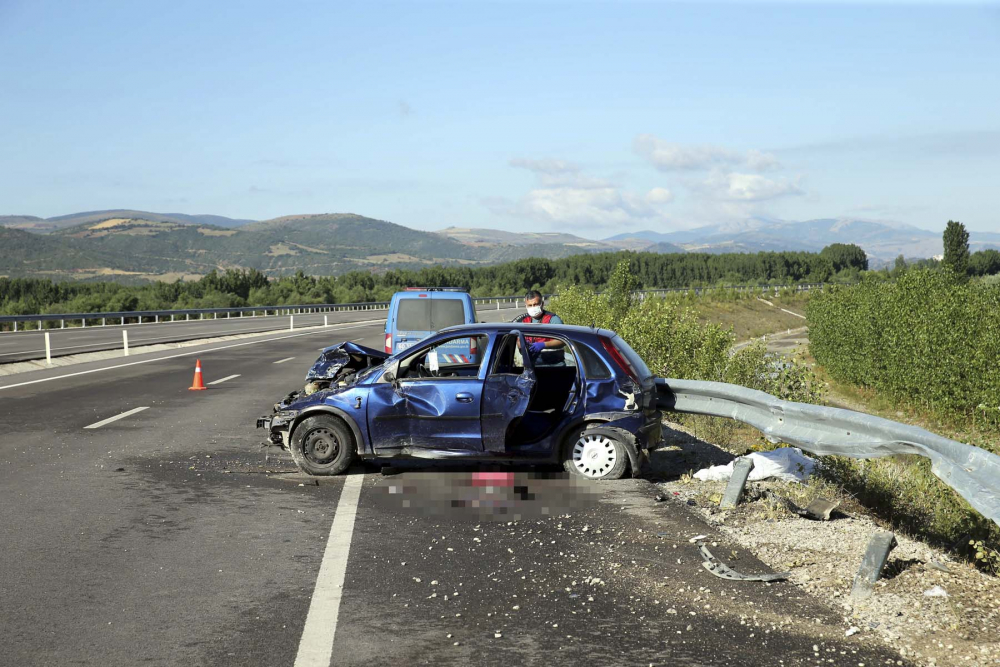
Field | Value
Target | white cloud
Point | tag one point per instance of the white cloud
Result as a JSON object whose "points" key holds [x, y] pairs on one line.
{"points": [[545, 166], [659, 196], [566, 198], [671, 156], [738, 187]]}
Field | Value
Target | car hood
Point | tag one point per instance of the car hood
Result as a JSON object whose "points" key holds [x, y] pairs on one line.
{"points": [[346, 355]]}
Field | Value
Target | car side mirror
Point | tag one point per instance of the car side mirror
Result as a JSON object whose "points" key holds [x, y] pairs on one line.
{"points": [[390, 375]]}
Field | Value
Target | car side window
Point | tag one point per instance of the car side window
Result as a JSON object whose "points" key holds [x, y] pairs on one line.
{"points": [[593, 367], [508, 359], [452, 358]]}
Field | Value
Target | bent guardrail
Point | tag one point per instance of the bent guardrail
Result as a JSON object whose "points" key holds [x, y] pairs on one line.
{"points": [[972, 472]]}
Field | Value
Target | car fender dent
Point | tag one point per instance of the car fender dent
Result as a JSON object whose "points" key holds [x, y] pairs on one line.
{"points": [[312, 411]]}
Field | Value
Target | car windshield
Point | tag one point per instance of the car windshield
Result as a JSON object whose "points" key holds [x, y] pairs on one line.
{"points": [[429, 314]]}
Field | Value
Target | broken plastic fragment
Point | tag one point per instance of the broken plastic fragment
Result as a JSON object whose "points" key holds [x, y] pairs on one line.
{"points": [[723, 571]]}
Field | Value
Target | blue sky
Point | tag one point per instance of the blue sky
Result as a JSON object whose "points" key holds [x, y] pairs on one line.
{"points": [[593, 118]]}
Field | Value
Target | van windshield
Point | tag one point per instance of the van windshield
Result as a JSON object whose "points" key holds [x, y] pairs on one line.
{"points": [[429, 314]]}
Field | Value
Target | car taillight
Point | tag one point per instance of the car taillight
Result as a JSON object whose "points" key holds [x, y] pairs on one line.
{"points": [[388, 343], [620, 359]]}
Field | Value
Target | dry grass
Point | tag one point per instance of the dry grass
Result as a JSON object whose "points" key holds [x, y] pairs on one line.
{"points": [[751, 318]]}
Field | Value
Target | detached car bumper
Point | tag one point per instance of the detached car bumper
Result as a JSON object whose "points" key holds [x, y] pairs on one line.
{"points": [[277, 427]]}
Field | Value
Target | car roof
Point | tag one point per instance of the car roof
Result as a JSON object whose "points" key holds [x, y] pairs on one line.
{"points": [[432, 294], [502, 327]]}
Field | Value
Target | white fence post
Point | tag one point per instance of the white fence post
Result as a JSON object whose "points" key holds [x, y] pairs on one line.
{"points": [[326, 320], [291, 322], [125, 341], [48, 350]]}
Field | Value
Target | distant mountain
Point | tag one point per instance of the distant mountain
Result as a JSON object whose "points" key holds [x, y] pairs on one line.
{"points": [[172, 246], [323, 244], [480, 236], [882, 241], [25, 253], [44, 225]]}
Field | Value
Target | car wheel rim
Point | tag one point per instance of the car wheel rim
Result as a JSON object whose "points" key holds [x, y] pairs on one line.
{"points": [[594, 455], [321, 446]]}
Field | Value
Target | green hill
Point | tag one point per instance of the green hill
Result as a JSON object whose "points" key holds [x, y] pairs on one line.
{"points": [[116, 243]]}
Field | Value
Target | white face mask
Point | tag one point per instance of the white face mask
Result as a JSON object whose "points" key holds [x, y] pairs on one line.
{"points": [[535, 311]]}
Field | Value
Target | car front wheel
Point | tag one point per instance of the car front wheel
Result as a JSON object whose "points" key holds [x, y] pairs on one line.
{"points": [[595, 455], [322, 445]]}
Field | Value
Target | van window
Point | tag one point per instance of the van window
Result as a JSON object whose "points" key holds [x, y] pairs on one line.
{"points": [[429, 314]]}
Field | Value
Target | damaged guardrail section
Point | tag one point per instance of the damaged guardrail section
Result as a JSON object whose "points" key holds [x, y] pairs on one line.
{"points": [[972, 472]]}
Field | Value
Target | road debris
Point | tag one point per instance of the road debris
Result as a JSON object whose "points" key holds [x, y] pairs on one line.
{"points": [[738, 481], [874, 560], [936, 592], [788, 464], [723, 571]]}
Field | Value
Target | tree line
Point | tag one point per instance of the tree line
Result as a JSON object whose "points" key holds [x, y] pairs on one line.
{"points": [[842, 263]]}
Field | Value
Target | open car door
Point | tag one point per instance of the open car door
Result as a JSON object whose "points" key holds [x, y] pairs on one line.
{"points": [[507, 392]]}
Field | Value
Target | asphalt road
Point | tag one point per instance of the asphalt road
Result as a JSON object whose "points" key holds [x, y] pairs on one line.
{"points": [[167, 537], [27, 345]]}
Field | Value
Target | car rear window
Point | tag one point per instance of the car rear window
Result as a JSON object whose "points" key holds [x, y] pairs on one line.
{"points": [[429, 314], [593, 367], [633, 358]]}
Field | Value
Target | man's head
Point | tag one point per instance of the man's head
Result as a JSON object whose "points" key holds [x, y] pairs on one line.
{"points": [[534, 302]]}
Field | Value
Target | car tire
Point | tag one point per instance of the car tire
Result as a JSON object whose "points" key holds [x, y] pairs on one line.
{"points": [[591, 455], [322, 445]]}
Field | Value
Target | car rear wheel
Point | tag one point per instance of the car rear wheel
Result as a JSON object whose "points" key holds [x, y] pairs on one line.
{"points": [[322, 445], [595, 455]]}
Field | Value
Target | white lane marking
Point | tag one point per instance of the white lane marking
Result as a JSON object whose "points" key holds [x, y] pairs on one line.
{"points": [[116, 417], [221, 380], [316, 645], [281, 361], [175, 356]]}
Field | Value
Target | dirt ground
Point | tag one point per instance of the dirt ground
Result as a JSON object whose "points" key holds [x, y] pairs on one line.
{"points": [[935, 609]]}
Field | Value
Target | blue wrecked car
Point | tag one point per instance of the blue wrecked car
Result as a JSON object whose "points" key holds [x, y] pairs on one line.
{"points": [[594, 410]]}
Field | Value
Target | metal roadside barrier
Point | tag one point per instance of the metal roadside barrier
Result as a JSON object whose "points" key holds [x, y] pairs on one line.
{"points": [[187, 314], [971, 471]]}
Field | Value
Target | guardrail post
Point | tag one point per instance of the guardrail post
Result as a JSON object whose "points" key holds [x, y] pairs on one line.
{"points": [[326, 320], [123, 321], [83, 323], [187, 317], [48, 350], [125, 341], [15, 326], [62, 325], [104, 321], [39, 325], [156, 319], [291, 322]]}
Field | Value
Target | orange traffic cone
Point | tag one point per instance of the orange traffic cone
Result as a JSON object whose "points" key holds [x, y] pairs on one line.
{"points": [[197, 384]]}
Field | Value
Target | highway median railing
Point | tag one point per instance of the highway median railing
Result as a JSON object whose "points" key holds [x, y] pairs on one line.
{"points": [[14, 323]]}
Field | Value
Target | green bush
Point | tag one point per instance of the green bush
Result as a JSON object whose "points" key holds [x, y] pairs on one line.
{"points": [[928, 338], [674, 344]]}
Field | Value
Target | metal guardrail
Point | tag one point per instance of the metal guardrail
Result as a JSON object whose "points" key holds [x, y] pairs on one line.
{"points": [[156, 316], [973, 472]]}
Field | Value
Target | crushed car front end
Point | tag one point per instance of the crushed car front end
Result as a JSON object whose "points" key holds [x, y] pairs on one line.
{"points": [[338, 368]]}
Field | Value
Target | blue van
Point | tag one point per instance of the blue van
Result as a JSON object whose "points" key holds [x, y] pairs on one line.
{"points": [[418, 312]]}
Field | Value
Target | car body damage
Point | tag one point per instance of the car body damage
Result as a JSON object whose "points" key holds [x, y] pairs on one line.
{"points": [[338, 362], [497, 406], [971, 471]]}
